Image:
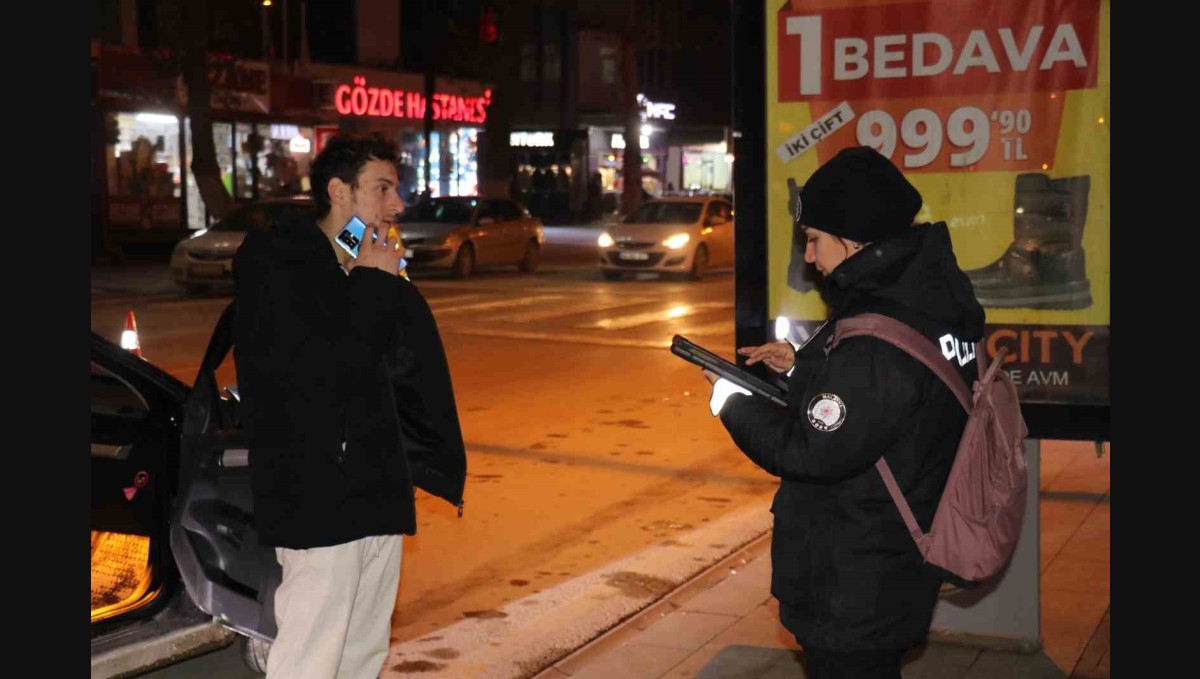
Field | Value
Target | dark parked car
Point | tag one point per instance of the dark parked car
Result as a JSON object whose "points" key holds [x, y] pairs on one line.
{"points": [[176, 565]]}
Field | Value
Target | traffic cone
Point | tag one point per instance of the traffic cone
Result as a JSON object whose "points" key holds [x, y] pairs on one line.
{"points": [[129, 338]]}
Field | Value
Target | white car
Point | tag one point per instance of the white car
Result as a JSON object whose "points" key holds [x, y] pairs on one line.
{"points": [[685, 235], [462, 233], [206, 258]]}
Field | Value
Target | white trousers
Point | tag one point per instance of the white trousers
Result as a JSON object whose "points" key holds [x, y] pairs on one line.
{"points": [[334, 609]]}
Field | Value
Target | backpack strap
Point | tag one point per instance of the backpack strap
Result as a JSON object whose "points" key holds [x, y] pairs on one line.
{"points": [[889, 480], [904, 337], [913, 343]]}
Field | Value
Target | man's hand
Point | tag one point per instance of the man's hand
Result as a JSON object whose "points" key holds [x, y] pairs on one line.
{"points": [[377, 252], [779, 356]]}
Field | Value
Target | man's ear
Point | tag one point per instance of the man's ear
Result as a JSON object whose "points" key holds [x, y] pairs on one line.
{"points": [[339, 192]]}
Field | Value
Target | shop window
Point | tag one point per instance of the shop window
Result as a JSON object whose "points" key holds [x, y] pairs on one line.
{"points": [[286, 161], [608, 65], [412, 166], [453, 163], [464, 169], [551, 62], [528, 63], [144, 171], [249, 144]]}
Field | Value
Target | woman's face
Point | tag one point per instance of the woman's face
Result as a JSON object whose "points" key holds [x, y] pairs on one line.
{"points": [[825, 250]]}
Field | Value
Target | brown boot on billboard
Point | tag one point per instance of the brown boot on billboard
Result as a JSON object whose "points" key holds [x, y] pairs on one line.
{"points": [[1044, 266]]}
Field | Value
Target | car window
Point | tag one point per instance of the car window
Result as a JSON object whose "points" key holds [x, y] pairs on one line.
{"points": [[489, 208], [241, 219], [718, 209], [112, 396], [509, 211], [662, 212], [440, 210], [265, 215]]}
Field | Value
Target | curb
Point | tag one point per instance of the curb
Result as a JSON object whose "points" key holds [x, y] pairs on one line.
{"points": [[670, 602]]}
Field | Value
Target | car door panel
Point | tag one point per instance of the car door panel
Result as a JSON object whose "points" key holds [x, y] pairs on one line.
{"points": [[485, 233], [225, 569], [516, 231], [720, 237], [726, 232]]}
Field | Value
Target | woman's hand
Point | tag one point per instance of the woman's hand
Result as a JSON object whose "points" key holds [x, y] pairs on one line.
{"points": [[778, 356]]}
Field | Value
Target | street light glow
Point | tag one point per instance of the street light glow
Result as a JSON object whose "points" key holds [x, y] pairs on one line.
{"points": [[782, 327]]}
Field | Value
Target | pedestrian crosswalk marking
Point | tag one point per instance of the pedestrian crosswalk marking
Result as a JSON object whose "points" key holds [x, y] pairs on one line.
{"points": [[562, 337], [671, 313], [454, 299], [586, 307], [501, 304], [718, 328]]}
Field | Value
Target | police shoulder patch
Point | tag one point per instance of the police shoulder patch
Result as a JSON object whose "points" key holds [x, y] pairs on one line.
{"points": [[826, 412]]}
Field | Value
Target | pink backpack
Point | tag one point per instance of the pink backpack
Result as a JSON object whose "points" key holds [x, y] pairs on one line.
{"points": [[978, 519]]}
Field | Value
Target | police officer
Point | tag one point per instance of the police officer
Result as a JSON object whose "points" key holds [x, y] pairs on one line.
{"points": [[851, 585]]}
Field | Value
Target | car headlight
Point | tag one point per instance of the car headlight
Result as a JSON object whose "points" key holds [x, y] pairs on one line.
{"points": [[677, 241], [605, 240]]}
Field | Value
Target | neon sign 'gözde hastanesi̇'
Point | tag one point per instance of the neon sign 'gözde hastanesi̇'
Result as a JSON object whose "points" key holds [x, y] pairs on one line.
{"points": [[383, 102]]}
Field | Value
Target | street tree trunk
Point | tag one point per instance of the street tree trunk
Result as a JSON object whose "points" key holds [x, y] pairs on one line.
{"points": [[191, 41]]}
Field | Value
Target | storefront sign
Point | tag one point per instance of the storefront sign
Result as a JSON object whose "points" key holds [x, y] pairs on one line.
{"points": [[323, 133], [240, 85], [284, 131], [358, 99], [299, 144], [236, 85], [618, 141], [999, 114], [652, 109], [535, 139]]}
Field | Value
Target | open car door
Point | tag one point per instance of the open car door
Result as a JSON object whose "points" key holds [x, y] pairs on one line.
{"points": [[225, 570]]}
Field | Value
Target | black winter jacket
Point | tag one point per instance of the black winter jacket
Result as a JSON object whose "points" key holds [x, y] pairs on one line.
{"points": [[842, 558], [345, 393]]}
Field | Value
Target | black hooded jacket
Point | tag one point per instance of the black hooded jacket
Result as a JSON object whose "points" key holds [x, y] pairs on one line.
{"points": [[345, 392], [843, 561]]}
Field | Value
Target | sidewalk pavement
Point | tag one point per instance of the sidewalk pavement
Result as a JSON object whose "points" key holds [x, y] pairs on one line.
{"points": [[132, 279], [724, 623]]}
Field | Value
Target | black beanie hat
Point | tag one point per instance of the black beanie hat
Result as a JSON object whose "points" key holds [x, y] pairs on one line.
{"points": [[858, 195]]}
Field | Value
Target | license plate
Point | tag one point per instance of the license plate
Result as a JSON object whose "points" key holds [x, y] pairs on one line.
{"points": [[641, 256], [207, 270]]}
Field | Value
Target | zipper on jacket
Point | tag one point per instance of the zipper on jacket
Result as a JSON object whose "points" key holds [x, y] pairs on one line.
{"points": [[460, 508]]}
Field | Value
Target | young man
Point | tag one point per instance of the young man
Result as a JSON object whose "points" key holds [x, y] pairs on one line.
{"points": [[333, 491]]}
